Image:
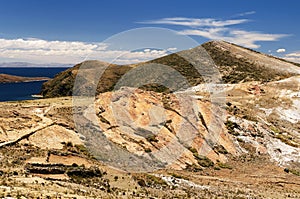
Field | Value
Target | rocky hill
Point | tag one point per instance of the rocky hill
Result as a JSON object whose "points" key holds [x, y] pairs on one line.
{"points": [[235, 64], [239, 64], [235, 139], [62, 84]]}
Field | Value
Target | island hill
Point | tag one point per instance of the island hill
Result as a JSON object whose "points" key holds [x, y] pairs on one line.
{"points": [[235, 64], [247, 148], [5, 78]]}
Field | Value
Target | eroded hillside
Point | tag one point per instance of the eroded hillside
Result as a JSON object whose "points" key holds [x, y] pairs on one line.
{"points": [[256, 153]]}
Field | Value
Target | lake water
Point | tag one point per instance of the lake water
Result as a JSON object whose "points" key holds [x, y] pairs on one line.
{"points": [[24, 90]]}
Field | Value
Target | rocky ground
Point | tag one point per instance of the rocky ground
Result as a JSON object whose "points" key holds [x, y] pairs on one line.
{"points": [[256, 154]]}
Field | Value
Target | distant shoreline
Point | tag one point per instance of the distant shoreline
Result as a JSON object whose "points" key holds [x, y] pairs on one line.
{"points": [[36, 66], [18, 91], [24, 81], [5, 78]]}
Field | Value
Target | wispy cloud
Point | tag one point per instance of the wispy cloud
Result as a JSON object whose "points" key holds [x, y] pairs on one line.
{"points": [[195, 22], [43, 51], [294, 56], [244, 14], [219, 29], [241, 37]]}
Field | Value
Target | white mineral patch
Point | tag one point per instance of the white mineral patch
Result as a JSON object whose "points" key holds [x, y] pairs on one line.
{"points": [[282, 153], [170, 180], [291, 114]]}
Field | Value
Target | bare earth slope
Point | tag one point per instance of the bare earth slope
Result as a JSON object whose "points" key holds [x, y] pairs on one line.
{"points": [[237, 63], [257, 155]]}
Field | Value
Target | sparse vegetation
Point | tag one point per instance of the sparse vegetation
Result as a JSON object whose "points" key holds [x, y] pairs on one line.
{"points": [[152, 138], [175, 175], [147, 180], [231, 126], [203, 160], [292, 171], [194, 168], [220, 149], [193, 150], [224, 165], [69, 144], [103, 120], [295, 172], [286, 139], [82, 149], [235, 70]]}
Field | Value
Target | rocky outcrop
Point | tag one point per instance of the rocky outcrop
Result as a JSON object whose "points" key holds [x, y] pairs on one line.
{"points": [[256, 152], [176, 130], [71, 171]]}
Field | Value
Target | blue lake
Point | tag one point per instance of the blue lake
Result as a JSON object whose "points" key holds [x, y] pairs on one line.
{"points": [[24, 90]]}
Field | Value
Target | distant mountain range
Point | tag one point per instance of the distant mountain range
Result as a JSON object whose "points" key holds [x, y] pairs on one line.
{"points": [[27, 64]]}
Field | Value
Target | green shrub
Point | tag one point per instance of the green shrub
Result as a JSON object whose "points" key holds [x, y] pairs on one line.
{"points": [[81, 148], [231, 126], [203, 160], [177, 176], [224, 165], [295, 172], [152, 138], [193, 150], [69, 144], [220, 149]]}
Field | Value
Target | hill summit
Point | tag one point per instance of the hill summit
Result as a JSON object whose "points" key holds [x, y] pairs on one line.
{"points": [[235, 64]]}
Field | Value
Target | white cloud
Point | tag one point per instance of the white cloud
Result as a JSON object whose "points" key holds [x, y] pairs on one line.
{"points": [[245, 14], [66, 52], [43, 51], [280, 50], [34, 44], [294, 54], [294, 57], [194, 22], [219, 29], [172, 49], [241, 37]]}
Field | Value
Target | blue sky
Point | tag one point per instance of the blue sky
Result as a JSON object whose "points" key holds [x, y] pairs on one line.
{"points": [[39, 30]]}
